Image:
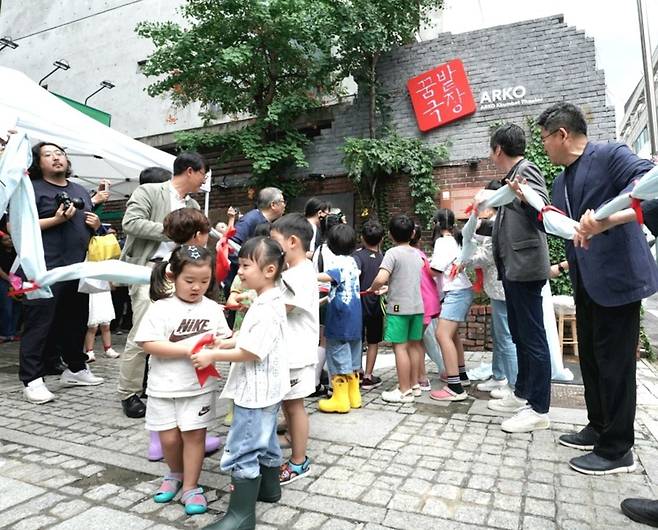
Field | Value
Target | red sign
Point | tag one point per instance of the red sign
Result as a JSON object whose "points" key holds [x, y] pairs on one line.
{"points": [[441, 95]]}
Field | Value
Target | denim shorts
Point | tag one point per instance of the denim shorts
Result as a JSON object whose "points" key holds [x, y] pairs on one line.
{"points": [[456, 304], [343, 357], [251, 442]]}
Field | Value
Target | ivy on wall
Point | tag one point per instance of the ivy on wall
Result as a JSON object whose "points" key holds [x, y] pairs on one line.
{"points": [[371, 162]]}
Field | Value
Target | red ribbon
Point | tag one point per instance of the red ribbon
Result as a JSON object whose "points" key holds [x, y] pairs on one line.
{"points": [[479, 280], [469, 209], [3, 234], [636, 204], [454, 271], [548, 208], [222, 264], [203, 374]]}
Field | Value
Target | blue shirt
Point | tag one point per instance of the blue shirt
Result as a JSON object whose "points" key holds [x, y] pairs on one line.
{"points": [[244, 229], [344, 309]]}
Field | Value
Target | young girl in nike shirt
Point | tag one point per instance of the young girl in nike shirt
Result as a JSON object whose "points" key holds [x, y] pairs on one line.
{"points": [[258, 381], [179, 408]]}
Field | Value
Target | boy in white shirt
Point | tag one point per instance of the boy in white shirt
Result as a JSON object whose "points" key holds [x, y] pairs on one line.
{"points": [[294, 233]]}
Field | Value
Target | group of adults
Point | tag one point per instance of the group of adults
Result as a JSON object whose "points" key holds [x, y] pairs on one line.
{"points": [[611, 270]]}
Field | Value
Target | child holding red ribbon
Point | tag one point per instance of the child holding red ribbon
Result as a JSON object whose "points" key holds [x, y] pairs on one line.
{"points": [[257, 382], [179, 407], [457, 299]]}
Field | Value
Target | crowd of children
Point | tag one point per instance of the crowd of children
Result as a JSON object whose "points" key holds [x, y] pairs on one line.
{"points": [[278, 347]]}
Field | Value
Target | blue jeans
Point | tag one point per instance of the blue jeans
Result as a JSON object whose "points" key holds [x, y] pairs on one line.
{"points": [[9, 311], [251, 441], [526, 322], [343, 356], [504, 364]]}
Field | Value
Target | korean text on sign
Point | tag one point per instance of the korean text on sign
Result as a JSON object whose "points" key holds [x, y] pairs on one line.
{"points": [[441, 95]]}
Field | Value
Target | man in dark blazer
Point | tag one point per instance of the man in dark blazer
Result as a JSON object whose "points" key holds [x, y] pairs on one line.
{"points": [[521, 255], [609, 280]]}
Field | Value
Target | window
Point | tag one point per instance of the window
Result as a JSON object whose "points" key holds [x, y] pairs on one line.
{"points": [[641, 140]]}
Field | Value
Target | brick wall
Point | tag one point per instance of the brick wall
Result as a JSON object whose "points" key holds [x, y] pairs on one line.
{"points": [[476, 331]]}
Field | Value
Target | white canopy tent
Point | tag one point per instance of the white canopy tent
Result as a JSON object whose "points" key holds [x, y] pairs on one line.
{"points": [[95, 150]]}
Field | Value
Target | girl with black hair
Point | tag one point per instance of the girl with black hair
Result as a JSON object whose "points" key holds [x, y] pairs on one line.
{"points": [[179, 408], [454, 308], [257, 382]]}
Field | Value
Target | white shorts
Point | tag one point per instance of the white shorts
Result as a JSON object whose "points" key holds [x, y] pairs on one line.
{"points": [[302, 382], [186, 413]]}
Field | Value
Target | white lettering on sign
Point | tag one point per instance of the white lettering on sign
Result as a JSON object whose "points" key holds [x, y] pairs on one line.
{"points": [[499, 98]]}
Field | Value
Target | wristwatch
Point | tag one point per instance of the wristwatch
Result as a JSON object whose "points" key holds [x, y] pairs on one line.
{"points": [[560, 267]]}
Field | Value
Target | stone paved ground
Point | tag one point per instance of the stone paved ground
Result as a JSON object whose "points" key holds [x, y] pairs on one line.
{"points": [[78, 463]]}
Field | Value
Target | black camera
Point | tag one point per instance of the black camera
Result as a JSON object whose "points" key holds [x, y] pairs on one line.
{"points": [[63, 199]]}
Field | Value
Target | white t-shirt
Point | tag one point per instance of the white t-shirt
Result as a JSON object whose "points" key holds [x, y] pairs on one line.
{"points": [[303, 320], [172, 319], [167, 247], [446, 251], [260, 384]]}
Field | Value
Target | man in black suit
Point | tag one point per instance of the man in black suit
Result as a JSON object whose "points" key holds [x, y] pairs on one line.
{"points": [[610, 279]]}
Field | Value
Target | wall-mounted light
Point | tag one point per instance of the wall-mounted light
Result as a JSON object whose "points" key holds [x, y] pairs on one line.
{"points": [[61, 64], [8, 42], [104, 84]]}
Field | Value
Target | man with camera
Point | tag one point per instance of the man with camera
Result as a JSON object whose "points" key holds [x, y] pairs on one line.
{"points": [[56, 326]]}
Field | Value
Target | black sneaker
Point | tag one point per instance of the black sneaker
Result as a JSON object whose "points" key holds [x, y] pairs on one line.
{"points": [[593, 464], [368, 383], [320, 391], [57, 368], [585, 440], [643, 511], [133, 407]]}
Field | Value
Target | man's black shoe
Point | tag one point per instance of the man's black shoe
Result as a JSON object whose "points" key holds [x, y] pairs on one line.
{"points": [[56, 369], [320, 391], [133, 407], [643, 511], [584, 440], [593, 464]]}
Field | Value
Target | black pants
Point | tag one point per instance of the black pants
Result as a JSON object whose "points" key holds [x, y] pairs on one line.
{"points": [[54, 327], [607, 343], [526, 323], [232, 273]]}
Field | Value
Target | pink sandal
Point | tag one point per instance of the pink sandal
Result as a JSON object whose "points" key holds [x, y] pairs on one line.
{"points": [[195, 501], [445, 394]]}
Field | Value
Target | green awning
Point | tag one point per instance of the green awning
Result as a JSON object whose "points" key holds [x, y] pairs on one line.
{"points": [[98, 115]]}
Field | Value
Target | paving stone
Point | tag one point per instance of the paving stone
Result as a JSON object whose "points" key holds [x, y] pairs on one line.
{"points": [[279, 515], [405, 501], [539, 507], [15, 492], [438, 507], [309, 520], [403, 520], [475, 515], [377, 496], [344, 508], [339, 524], [530, 522], [112, 520], [102, 492], [501, 519], [34, 523]]}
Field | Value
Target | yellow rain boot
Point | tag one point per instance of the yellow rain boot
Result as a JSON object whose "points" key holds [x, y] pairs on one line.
{"points": [[340, 401], [354, 391]]}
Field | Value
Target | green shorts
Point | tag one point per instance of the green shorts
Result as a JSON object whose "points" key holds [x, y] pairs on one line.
{"points": [[403, 328]]}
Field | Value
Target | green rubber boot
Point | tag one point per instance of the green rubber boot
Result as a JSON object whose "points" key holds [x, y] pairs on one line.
{"points": [[270, 487], [241, 513]]}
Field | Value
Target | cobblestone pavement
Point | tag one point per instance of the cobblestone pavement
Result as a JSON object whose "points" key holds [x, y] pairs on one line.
{"points": [[78, 463]]}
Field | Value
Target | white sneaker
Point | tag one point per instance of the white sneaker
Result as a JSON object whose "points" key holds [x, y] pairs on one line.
{"points": [[526, 420], [490, 384], [82, 378], [37, 392], [395, 396], [501, 392], [417, 392], [510, 403], [111, 353], [91, 356]]}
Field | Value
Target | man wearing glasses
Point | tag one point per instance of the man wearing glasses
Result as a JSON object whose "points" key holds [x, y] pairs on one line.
{"points": [[610, 278], [270, 205]]}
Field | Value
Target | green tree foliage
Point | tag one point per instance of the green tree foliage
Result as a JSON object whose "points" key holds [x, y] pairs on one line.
{"points": [[368, 29], [269, 60]]}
